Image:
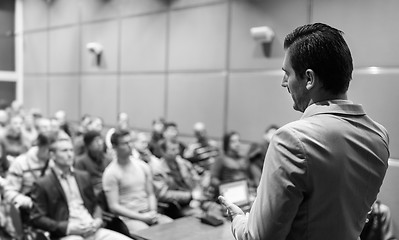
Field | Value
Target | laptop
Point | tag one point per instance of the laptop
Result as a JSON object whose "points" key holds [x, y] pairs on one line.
{"points": [[237, 192]]}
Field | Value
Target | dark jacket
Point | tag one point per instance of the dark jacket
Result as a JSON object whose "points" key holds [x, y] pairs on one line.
{"points": [[50, 211]]}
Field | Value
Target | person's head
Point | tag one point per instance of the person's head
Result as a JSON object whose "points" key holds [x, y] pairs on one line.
{"points": [[3, 118], [44, 142], [170, 131], [62, 153], [55, 125], [317, 62], [158, 125], [95, 124], [172, 149], [121, 141], [200, 131], [267, 136], [231, 142], [60, 115], [123, 121], [16, 124], [43, 124], [141, 142], [93, 141]]}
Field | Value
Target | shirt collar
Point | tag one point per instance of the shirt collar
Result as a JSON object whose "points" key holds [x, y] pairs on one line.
{"points": [[344, 107], [60, 173]]}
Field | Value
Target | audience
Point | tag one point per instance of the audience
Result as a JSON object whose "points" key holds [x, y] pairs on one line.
{"points": [[231, 165], [158, 126], [65, 201], [204, 151], [128, 187], [94, 160], [148, 173], [257, 152]]}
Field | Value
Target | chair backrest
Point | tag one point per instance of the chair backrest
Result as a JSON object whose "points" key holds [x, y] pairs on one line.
{"points": [[112, 221]]}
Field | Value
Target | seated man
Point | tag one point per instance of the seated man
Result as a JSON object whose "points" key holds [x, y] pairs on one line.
{"points": [[94, 160], [64, 200], [127, 183], [29, 167], [204, 151], [179, 181]]}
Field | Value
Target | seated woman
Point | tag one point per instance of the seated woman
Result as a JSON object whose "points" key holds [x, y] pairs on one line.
{"points": [[231, 165]]}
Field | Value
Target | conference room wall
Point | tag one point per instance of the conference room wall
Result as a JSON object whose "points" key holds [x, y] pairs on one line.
{"points": [[162, 52]]}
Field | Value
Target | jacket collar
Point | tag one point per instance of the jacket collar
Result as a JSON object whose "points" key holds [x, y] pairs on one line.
{"points": [[344, 107]]}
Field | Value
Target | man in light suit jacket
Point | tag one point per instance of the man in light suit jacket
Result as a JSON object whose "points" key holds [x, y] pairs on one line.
{"points": [[64, 200], [321, 173]]}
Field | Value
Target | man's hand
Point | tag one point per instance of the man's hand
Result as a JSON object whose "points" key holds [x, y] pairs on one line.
{"points": [[81, 229], [23, 201], [232, 209], [150, 217]]}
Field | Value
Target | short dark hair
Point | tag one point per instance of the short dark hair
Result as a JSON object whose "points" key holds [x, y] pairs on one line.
{"points": [[117, 135], [170, 124], [89, 137], [46, 138], [323, 49]]}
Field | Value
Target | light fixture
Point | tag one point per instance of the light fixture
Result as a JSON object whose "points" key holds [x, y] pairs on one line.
{"points": [[96, 49], [264, 35]]}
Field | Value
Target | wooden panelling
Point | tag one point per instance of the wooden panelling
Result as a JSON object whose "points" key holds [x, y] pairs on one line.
{"points": [[36, 93], [35, 52], [257, 100], [143, 43], [35, 14], [198, 38], [379, 96], [281, 16], [64, 50], [99, 96], [105, 33], [64, 12], [197, 97], [134, 7], [371, 28], [143, 98], [64, 92]]}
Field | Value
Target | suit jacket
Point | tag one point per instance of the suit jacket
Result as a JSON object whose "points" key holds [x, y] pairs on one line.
{"points": [[50, 211], [321, 175]]}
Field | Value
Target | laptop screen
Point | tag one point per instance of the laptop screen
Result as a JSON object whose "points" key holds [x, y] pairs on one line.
{"points": [[236, 192]]}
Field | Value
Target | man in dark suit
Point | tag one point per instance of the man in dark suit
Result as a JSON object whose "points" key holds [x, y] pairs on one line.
{"points": [[64, 200]]}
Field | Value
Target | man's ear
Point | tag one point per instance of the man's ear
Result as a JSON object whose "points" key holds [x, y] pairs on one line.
{"points": [[310, 78]]}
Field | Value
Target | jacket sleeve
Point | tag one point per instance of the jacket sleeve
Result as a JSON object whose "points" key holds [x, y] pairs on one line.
{"points": [[164, 194], [40, 212], [281, 191]]}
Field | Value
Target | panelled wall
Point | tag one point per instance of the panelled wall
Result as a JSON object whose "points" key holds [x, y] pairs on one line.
{"points": [[194, 60]]}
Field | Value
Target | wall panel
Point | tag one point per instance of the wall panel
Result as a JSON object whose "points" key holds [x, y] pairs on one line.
{"points": [[197, 97], [36, 93], [143, 98], [99, 96], [35, 14], [371, 28], [143, 43], [198, 38], [105, 33], [257, 100], [130, 7], [64, 46], [92, 10], [64, 92], [281, 16], [64, 12], [35, 52], [192, 3], [374, 92]]}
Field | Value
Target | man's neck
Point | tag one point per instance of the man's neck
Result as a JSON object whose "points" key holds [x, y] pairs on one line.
{"points": [[123, 160]]}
